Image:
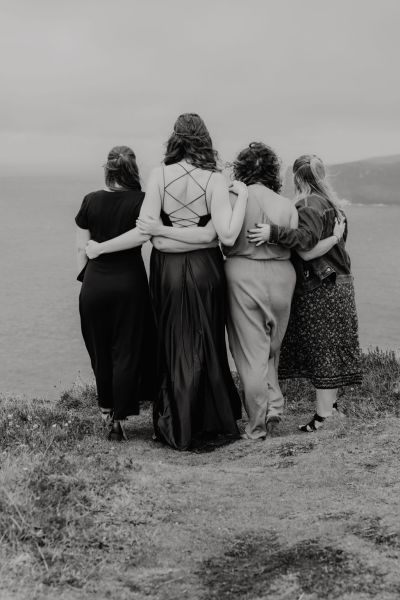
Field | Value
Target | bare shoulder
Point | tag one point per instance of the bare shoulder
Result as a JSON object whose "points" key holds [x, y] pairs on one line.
{"points": [[285, 204], [155, 179], [217, 181], [156, 172]]}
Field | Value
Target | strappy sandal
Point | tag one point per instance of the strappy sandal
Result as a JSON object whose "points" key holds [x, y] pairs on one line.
{"points": [[315, 424], [271, 424], [116, 432]]}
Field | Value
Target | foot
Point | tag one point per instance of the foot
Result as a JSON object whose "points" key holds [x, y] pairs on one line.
{"points": [[271, 424], [116, 432], [246, 436], [106, 415], [315, 424]]}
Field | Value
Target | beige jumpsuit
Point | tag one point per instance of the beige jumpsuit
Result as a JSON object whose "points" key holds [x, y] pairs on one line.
{"points": [[260, 281]]}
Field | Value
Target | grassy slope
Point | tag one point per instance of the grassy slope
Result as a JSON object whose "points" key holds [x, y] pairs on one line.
{"points": [[298, 516]]}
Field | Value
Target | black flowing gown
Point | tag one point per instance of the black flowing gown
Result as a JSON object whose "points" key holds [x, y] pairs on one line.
{"points": [[196, 396], [114, 304]]}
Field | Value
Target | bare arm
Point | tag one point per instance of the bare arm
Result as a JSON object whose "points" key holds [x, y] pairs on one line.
{"points": [[82, 237], [168, 245], [227, 220], [190, 235], [151, 207]]}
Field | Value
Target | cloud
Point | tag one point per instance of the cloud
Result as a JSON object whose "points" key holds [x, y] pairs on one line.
{"points": [[82, 75]]}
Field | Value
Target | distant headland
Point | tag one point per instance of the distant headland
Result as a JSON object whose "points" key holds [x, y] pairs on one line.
{"points": [[366, 181]]}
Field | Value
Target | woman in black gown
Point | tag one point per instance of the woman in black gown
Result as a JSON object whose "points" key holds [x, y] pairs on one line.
{"points": [[114, 300], [196, 395]]}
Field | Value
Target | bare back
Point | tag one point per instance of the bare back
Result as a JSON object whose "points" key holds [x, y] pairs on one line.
{"points": [[184, 195]]}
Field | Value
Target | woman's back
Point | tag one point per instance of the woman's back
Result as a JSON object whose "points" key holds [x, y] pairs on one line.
{"points": [[263, 206], [184, 194], [109, 214]]}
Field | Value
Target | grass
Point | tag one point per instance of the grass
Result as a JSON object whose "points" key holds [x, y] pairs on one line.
{"points": [[297, 516]]}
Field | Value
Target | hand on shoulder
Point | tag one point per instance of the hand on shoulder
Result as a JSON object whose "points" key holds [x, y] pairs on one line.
{"points": [[238, 188], [339, 228]]}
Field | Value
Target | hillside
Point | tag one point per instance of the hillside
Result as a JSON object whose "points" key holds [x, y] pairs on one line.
{"points": [[310, 517], [368, 181]]}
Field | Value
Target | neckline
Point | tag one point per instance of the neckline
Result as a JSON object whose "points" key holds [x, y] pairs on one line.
{"points": [[105, 189]]}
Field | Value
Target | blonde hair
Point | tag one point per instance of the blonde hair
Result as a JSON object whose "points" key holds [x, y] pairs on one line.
{"points": [[309, 177]]}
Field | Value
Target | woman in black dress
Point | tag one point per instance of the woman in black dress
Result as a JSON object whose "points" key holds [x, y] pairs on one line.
{"points": [[114, 300], [196, 395]]}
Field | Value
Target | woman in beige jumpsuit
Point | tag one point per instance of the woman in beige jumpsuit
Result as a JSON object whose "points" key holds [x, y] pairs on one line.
{"points": [[261, 281]]}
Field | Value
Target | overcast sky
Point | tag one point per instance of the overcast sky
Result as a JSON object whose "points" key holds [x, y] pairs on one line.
{"points": [[80, 76]]}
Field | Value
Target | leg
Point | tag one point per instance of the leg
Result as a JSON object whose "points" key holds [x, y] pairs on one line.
{"points": [[277, 310], [128, 343], [326, 400], [96, 334], [275, 397], [250, 347]]}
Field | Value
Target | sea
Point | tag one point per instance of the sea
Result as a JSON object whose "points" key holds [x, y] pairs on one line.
{"points": [[41, 349]]}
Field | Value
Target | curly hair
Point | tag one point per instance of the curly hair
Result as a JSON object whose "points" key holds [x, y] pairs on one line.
{"points": [[258, 163], [121, 170], [191, 141]]}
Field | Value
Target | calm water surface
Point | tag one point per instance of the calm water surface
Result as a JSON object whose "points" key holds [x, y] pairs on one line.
{"points": [[41, 351]]}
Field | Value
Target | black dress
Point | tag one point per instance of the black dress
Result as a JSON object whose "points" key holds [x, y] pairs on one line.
{"points": [[196, 395], [114, 305]]}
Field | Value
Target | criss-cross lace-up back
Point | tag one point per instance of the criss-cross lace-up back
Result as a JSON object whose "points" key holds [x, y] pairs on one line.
{"points": [[179, 209]]}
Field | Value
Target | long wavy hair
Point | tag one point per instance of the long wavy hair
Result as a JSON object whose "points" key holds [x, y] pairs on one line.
{"points": [[191, 141], [309, 177], [258, 163], [121, 170]]}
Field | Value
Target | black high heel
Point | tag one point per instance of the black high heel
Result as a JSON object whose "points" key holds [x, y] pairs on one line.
{"points": [[313, 425], [116, 432]]}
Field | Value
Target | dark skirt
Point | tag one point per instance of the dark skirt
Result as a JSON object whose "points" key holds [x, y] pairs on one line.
{"points": [[321, 341], [118, 330], [196, 394]]}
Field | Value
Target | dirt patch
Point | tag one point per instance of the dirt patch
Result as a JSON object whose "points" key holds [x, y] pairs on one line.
{"points": [[257, 565], [292, 448]]}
